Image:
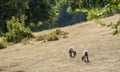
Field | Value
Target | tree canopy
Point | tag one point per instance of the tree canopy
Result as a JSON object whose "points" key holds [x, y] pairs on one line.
{"points": [[42, 14]]}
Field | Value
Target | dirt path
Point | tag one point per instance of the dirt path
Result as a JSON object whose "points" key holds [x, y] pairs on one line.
{"points": [[53, 57]]}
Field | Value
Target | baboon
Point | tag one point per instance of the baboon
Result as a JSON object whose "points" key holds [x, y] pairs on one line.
{"points": [[72, 52], [85, 56]]}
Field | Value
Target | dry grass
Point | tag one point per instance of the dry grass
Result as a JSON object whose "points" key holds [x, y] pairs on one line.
{"points": [[104, 50], [52, 36]]}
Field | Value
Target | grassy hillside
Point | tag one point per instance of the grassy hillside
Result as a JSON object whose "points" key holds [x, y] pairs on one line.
{"points": [[53, 56]]}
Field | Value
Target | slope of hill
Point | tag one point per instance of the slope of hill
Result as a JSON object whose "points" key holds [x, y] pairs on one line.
{"points": [[53, 56]]}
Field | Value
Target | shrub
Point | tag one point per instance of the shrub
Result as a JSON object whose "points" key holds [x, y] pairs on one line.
{"points": [[59, 32], [47, 37], [52, 36], [25, 41], [41, 37], [17, 31], [3, 43]]}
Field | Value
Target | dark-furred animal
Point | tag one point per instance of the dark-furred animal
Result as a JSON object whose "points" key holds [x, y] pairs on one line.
{"points": [[85, 56], [72, 52]]}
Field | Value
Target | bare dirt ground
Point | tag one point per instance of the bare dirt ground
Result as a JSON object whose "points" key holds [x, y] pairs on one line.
{"points": [[104, 51]]}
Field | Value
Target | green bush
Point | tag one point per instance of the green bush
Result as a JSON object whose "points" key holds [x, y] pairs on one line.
{"points": [[3, 43], [59, 32], [41, 37], [17, 31], [47, 37], [52, 36]]}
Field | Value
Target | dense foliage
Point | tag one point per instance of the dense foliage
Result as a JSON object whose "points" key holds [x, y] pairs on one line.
{"points": [[95, 8], [35, 11], [43, 13], [17, 31]]}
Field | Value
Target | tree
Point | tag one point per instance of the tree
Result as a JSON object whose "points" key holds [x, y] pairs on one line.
{"points": [[10, 8]]}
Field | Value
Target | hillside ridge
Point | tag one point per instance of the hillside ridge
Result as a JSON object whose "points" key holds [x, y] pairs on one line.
{"points": [[103, 47]]}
